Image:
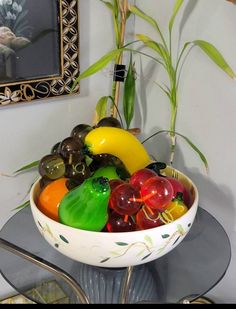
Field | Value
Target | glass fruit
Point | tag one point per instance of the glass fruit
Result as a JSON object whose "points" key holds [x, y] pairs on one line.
{"points": [[51, 196], [107, 171], [157, 193], [85, 207], [80, 131], [138, 178], [147, 220], [176, 208], [55, 148], [71, 150], [78, 172], [109, 122], [115, 183], [179, 187], [117, 223], [125, 199], [52, 166]]}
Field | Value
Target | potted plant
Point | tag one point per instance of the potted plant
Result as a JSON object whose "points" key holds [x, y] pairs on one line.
{"points": [[172, 65]]}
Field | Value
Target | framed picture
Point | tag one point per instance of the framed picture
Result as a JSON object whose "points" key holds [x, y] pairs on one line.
{"points": [[39, 49]]}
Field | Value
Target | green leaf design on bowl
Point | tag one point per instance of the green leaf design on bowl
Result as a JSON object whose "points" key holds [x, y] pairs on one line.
{"points": [[64, 239]]}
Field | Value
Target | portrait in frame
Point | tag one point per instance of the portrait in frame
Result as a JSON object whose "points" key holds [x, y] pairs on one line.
{"points": [[39, 49]]}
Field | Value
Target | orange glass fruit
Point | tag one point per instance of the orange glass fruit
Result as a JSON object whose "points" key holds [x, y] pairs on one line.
{"points": [[51, 196]]}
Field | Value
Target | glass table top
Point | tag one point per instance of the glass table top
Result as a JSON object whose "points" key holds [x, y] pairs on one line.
{"points": [[43, 274]]}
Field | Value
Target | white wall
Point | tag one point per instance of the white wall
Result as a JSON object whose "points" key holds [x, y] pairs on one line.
{"points": [[206, 113]]}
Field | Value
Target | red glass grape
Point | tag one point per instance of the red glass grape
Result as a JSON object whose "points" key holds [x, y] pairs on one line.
{"points": [[125, 199], [179, 187], [115, 182], [117, 223], [157, 192], [139, 177], [145, 220]]}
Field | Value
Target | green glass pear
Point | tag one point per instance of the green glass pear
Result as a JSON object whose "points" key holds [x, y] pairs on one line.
{"points": [[85, 207]]}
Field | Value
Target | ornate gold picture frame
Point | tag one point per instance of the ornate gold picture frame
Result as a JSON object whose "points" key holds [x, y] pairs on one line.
{"points": [[39, 49]]}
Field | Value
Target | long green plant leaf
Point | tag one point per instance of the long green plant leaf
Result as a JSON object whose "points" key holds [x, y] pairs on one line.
{"points": [[177, 6], [98, 65], [115, 14], [24, 205], [135, 10], [108, 4], [157, 47], [129, 94], [101, 108], [216, 56], [191, 144], [28, 166]]}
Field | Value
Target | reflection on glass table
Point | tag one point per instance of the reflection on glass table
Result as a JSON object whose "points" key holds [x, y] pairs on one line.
{"points": [[39, 272]]}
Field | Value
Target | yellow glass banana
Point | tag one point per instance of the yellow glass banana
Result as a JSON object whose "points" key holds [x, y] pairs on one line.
{"points": [[120, 143]]}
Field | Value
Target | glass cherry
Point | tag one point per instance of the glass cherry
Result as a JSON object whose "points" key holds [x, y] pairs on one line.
{"points": [[125, 199], [157, 192], [147, 220], [139, 177], [117, 223]]}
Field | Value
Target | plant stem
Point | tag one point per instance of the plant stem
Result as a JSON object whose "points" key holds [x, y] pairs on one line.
{"points": [[172, 130], [116, 85]]}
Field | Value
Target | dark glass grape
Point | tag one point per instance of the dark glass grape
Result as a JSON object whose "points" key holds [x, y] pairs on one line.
{"points": [[55, 148], [71, 184], [105, 159], [44, 181], [117, 223], [52, 166], [109, 122], [71, 150], [78, 171], [80, 131]]}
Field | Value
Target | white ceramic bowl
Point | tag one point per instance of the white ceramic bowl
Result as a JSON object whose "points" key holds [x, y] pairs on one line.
{"points": [[116, 249]]}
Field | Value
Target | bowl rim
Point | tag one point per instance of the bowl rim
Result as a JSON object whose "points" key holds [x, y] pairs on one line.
{"points": [[192, 208]]}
